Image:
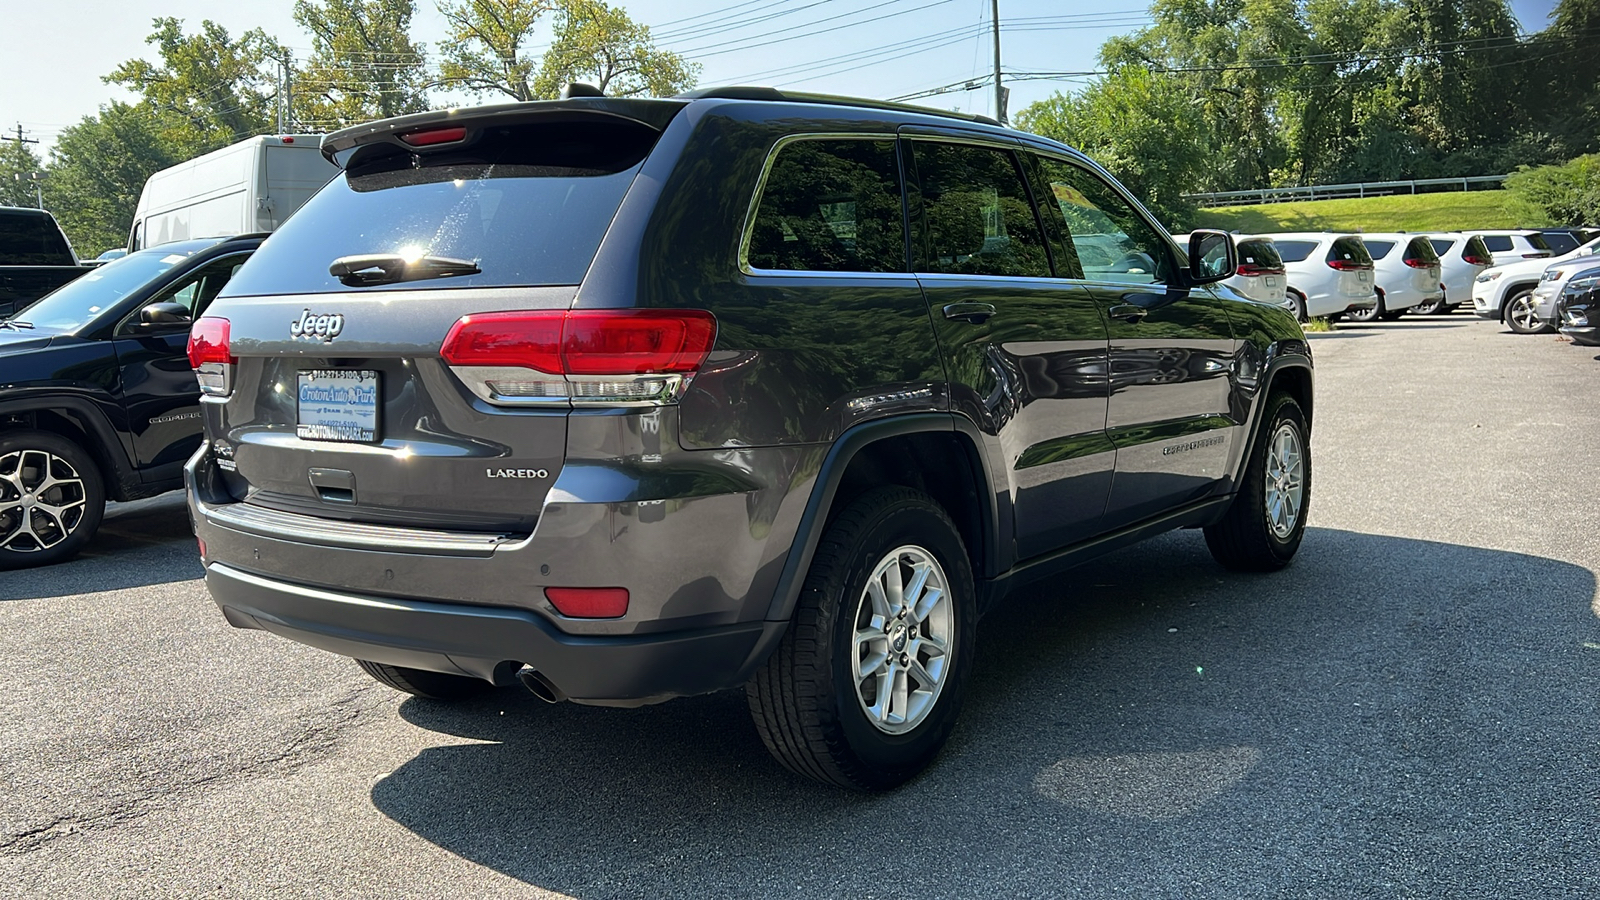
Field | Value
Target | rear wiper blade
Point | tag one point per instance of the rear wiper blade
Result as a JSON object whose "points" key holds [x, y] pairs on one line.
{"points": [[391, 268]]}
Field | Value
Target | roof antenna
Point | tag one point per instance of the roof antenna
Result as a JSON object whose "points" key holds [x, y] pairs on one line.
{"points": [[579, 89]]}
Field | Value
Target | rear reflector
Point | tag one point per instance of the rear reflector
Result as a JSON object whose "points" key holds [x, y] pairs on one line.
{"points": [[435, 136], [589, 603]]}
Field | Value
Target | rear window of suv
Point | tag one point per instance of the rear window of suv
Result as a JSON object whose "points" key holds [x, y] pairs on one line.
{"points": [[1295, 251], [528, 204], [1261, 254], [1350, 249]]}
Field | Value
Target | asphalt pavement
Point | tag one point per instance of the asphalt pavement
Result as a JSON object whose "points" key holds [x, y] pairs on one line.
{"points": [[1409, 710]]}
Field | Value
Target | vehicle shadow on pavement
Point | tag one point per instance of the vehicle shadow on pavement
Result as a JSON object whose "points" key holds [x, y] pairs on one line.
{"points": [[1149, 724], [139, 544]]}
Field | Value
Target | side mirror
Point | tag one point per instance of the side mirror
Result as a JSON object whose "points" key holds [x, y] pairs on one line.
{"points": [[1212, 256], [157, 315]]}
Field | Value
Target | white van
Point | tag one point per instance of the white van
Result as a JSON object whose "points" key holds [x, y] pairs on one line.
{"points": [[249, 187]]}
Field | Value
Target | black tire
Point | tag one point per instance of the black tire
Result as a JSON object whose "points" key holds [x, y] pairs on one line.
{"points": [[1299, 300], [1245, 539], [1368, 313], [1430, 307], [805, 700], [1393, 314], [422, 683], [1520, 315], [78, 500]]}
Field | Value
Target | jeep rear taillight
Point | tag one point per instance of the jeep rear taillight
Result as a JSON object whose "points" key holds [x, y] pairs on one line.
{"points": [[586, 357], [209, 355]]}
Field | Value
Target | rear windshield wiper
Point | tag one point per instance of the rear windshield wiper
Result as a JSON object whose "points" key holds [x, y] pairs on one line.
{"points": [[391, 268]]}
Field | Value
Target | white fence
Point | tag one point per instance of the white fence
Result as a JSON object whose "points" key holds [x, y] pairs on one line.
{"points": [[1338, 191]]}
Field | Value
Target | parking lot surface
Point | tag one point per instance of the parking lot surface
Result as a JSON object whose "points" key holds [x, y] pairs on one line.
{"points": [[1409, 710]]}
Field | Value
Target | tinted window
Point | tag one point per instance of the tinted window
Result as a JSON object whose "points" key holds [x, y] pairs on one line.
{"points": [[1260, 254], [1497, 243], [979, 218], [1538, 242], [1113, 242], [1476, 252], [831, 206], [32, 239], [1350, 249], [1295, 251], [528, 204], [1441, 246], [1560, 242], [1379, 249], [85, 297], [1421, 249]]}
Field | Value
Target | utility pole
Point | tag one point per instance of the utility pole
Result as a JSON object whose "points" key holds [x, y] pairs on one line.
{"points": [[999, 92], [38, 191], [285, 94]]}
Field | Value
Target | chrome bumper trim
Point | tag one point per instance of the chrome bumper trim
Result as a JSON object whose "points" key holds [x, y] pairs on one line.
{"points": [[353, 535]]}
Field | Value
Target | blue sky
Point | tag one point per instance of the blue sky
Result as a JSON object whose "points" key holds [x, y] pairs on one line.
{"points": [[871, 48]]}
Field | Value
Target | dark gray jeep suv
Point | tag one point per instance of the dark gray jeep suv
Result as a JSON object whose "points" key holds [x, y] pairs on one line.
{"points": [[636, 399]]}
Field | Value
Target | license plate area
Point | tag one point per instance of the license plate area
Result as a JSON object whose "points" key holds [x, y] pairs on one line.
{"points": [[338, 405]]}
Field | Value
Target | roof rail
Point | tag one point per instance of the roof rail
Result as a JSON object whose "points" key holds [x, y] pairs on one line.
{"points": [[756, 92]]}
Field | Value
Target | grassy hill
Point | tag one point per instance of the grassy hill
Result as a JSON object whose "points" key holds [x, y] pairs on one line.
{"points": [[1445, 211]]}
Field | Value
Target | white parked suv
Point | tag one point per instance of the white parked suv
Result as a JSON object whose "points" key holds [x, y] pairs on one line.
{"points": [[1260, 275], [1520, 242], [1329, 274], [1405, 271], [1462, 258], [1505, 292]]}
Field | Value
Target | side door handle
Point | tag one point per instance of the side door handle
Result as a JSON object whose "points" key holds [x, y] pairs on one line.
{"points": [[970, 312], [1127, 312]]}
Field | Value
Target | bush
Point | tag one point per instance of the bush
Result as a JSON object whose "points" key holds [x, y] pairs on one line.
{"points": [[1568, 193]]}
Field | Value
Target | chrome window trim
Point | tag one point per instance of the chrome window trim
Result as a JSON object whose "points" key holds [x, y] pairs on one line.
{"points": [[301, 529], [761, 188]]}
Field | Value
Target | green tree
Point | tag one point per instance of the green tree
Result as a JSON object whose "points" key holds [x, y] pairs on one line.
{"points": [[209, 89], [363, 66], [487, 48], [1569, 194], [97, 169], [601, 45], [1144, 127], [18, 169]]}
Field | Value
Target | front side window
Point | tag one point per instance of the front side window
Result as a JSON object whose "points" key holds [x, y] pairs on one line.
{"points": [[1113, 242], [979, 217], [831, 205]]}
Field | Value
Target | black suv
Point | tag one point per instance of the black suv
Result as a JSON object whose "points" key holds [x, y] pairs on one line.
{"points": [[97, 397], [635, 399]]}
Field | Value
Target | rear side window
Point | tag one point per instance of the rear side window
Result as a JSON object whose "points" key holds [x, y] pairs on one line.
{"points": [[1379, 249], [1350, 250], [30, 239], [831, 206], [1262, 255], [1441, 246], [1537, 241], [1497, 243], [1560, 242], [979, 217], [527, 204], [1295, 251]]}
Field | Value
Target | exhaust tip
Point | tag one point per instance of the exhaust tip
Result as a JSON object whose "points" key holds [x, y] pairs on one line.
{"points": [[539, 685]]}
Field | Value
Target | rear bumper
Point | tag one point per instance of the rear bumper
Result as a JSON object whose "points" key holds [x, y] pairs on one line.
{"points": [[1587, 335], [492, 643]]}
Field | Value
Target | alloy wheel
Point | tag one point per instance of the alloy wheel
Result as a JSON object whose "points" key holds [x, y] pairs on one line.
{"points": [[42, 500], [1521, 315], [904, 625], [1285, 475]]}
